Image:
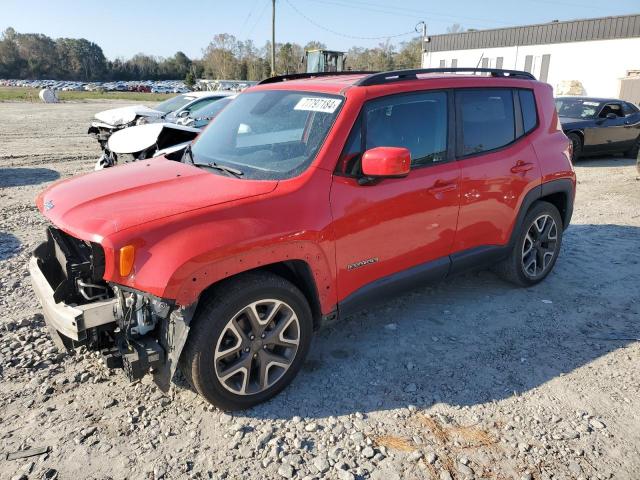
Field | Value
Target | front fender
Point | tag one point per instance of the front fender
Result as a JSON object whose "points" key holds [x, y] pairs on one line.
{"points": [[180, 256], [188, 283]]}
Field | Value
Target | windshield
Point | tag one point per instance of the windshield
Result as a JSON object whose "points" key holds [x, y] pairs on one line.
{"points": [[577, 107], [174, 103], [210, 109], [272, 134]]}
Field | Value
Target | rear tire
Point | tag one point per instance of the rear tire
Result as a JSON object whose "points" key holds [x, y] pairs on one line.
{"points": [[576, 142], [635, 150], [536, 246], [247, 341]]}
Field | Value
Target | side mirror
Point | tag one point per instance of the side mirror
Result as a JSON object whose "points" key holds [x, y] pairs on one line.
{"points": [[386, 162], [611, 116]]}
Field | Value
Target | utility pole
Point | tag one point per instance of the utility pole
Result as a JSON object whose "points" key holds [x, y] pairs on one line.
{"points": [[423, 48], [273, 38], [422, 26]]}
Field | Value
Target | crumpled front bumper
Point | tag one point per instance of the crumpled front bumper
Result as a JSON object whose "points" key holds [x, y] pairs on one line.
{"points": [[67, 320]]}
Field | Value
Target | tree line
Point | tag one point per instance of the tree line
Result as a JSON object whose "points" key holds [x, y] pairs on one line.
{"points": [[37, 56]]}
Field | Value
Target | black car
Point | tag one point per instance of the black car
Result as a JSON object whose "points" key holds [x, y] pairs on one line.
{"points": [[600, 125]]}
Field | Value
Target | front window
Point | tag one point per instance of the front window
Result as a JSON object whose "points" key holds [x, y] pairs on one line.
{"points": [[577, 108], [273, 134], [174, 103]]}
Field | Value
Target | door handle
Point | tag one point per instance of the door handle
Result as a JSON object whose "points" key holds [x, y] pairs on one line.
{"points": [[441, 186], [521, 167]]}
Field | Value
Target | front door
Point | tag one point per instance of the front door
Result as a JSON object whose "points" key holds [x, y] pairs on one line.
{"points": [[387, 226], [609, 134]]}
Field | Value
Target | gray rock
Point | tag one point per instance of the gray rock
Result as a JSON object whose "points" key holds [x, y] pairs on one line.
{"points": [[286, 471], [265, 437], [415, 456], [346, 475], [445, 475], [321, 464], [368, 452], [465, 470]]}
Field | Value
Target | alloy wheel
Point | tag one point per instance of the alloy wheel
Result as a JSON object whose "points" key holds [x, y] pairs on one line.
{"points": [[539, 246], [257, 346]]}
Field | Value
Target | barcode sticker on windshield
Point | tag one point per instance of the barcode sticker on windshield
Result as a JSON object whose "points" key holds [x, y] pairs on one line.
{"points": [[318, 104], [591, 104]]}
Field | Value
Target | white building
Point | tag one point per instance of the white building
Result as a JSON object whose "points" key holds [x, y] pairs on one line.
{"points": [[581, 57]]}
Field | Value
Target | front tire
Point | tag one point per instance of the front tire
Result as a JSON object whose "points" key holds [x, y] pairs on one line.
{"points": [[576, 142], [248, 340], [536, 247]]}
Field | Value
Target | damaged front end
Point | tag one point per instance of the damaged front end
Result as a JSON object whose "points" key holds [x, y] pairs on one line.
{"points": [[135, 331], [145, 141]]}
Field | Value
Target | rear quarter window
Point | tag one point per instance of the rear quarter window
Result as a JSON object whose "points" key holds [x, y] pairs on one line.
{"points": [[528, 108]]}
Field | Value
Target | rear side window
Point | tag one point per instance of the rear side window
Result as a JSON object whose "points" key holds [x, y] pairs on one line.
{"points": [[417, 122], [528, 108], [629, 109], [487, 119]]}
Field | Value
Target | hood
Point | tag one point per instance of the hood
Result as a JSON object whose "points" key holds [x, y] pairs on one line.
{"points": [[96, 205], [124, 115], [140, 137]]}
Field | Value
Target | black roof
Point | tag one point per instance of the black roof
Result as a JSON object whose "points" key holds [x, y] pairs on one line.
{"points": [[592, 99], [605, 28]]}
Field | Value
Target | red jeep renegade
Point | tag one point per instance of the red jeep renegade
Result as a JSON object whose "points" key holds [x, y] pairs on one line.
{"points": [[306, 199]]}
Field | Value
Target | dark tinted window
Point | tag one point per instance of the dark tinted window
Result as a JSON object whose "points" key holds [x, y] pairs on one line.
{"points": [[528, 107], [417, 122], [487, 119], [629, 109], [614, 108]]}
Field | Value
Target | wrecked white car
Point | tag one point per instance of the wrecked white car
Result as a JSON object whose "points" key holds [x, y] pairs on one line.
{"points": [[153, 139], [110, 121]]}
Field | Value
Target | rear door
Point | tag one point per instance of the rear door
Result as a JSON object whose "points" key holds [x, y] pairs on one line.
{"points": [[498, 163], [388, 226]]}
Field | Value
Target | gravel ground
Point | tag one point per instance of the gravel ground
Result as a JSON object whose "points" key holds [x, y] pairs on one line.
{"points": [[472, 378]]}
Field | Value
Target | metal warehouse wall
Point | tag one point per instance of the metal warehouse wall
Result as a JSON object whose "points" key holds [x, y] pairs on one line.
{"points": [[599, 65], [606, 28]]}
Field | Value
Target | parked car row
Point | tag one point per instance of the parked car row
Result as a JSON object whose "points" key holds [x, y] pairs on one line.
{"points": [[153, 86]]}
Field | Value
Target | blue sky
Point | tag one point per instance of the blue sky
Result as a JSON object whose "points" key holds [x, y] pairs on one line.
{"points": [[162, 27]]}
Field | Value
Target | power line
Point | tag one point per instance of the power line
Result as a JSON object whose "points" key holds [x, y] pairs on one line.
{"points": [[409, 12], [356, 37], [246, 19], [259, 17]]}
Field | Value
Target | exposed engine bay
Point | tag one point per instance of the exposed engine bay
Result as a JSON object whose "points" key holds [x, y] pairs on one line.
{"points": [[144, 141], [137, 332]]}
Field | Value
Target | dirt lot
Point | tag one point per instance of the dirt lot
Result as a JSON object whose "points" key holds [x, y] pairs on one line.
{"points": [[469, 379]]}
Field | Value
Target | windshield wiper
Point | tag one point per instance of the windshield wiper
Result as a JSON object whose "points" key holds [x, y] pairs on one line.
{"points": [[223, 168]]}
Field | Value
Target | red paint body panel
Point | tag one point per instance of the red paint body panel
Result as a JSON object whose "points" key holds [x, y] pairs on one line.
{"points": [[399, 222], [192, 228], [492, 194]]}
